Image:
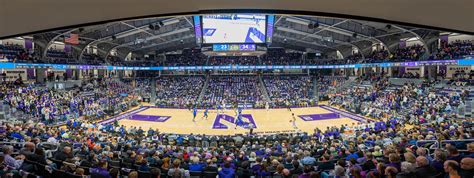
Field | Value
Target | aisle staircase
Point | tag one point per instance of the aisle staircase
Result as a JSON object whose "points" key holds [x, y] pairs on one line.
{"points": [[204, 89], [263, 89], [469, 100], [315, 88], [347, 84], [441, 84], [469, 111]]}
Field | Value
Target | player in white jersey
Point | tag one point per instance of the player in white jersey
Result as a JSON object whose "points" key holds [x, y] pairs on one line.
{"points": [[294, 121]]}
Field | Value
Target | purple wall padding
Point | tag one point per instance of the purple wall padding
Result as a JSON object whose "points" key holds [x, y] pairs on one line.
{"points": [[444, 38], [28, 44], [67, 48], [69, 73], [402, 44], [30, 73], [401, 70]]}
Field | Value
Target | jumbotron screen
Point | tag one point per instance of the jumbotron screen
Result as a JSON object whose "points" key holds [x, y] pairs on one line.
{"points": [[234, 28]]}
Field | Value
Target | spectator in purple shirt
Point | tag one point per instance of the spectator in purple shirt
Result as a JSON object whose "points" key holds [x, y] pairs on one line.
{"points": [[453, 153], [101, 171], [9, 160]]}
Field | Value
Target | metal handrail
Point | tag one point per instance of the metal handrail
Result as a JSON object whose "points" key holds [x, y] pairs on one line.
{"points": [[434, 146], [444, 142], [54, 146]]}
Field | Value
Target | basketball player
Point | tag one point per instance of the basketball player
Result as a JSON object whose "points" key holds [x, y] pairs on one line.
{"points": [[219, 108], [251, 126], [267, 106], [294, 121], [194, 114], [236, 111], [223, 105], [288, 105], [239, 111], [205, 113], [239, 121]]}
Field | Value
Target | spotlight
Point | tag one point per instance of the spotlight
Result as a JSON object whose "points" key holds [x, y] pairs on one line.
{"points": [[354, 35]]}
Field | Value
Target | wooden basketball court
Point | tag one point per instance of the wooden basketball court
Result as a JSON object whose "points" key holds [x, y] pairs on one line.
{"points": [[179, 121]]}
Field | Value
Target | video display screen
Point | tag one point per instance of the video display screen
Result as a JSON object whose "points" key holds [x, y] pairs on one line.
{"points": [[234, 28]]}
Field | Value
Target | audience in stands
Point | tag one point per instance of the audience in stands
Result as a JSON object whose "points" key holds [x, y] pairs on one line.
{"points": [[290, 90], [416, 103], [386, 147], [233, 60], [275, 56], [189, 57], [15, 53], [410, 53], [328, 84], [59, 56], [354, 57], [178, 91], [454, 50], [381, 55], [233, 91], [93, 59], [278, 56], [51, 106]]}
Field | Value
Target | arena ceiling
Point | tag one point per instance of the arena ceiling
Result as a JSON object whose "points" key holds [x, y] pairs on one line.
{"points": [[123, 24]]}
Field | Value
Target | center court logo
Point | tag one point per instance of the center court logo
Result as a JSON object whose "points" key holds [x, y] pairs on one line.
{"points": [[224, 118]]}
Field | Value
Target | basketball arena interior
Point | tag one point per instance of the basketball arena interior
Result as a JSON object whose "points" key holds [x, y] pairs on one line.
{"points": [[236, 89]]}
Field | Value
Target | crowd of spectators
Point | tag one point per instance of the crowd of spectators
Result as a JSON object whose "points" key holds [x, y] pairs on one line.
{"points": [[274, 56], [51, 106], [328, 84], [114, 60], [290, 90], [233, 90], [189, 57], [178, 91], [279, 56], [413, 102], [330, 61], [14, 53], [377, 56], [54, 53], [93, 59], [385, 147], [381, 149], [410, 53], [140, 87], [454, 50], [354, 57], [233, 60]]}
